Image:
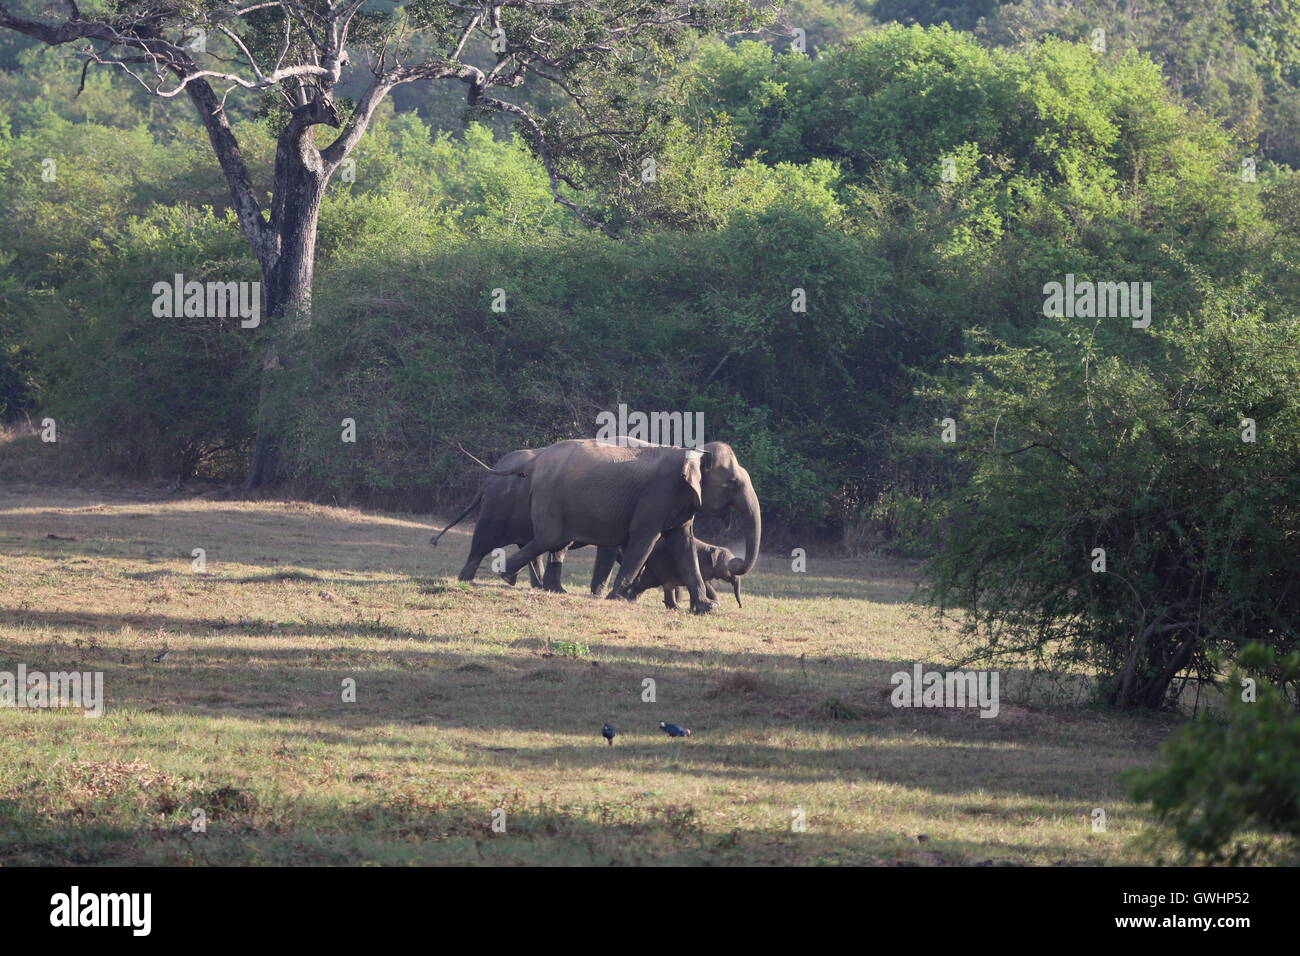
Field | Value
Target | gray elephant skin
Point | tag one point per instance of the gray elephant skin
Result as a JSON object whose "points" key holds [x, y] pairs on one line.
{"points": [[631, 496], [661, 571], [504, 519]]}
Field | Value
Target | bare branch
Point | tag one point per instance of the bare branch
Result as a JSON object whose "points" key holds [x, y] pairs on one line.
{"points": [[544, 153], [337, 151]]}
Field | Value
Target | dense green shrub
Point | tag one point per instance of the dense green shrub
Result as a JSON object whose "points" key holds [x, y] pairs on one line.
{"points": [[1057, 147], [149, 395], [409, 347], [1229, 776], [1171, 448]]}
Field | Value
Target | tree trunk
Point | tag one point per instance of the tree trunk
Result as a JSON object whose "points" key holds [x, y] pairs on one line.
{"points": [[287, 272], [1150, 668]]}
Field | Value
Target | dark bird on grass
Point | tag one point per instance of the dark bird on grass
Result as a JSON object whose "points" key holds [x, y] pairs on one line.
{"points": [[158, 658], [672, 730], [609, 733]]}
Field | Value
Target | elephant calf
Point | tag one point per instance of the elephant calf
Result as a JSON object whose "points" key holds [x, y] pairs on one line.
{"points": [[661, 571]]}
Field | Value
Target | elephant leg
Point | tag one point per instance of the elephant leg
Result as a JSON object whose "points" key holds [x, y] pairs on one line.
{"points": [[617, 587], [487, 538], [535, 571], [670, 597], [533, 549], [635, 554], [604, 564], [475, 558], [616, 590], [708, 590], [681, 546], [554, 571]]}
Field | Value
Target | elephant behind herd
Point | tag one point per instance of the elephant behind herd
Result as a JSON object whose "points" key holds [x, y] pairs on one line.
{"points": [[632, 501]]}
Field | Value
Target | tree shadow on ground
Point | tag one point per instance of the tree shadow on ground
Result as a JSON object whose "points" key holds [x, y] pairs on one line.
{"points": [[435, 830], [422, 682]]}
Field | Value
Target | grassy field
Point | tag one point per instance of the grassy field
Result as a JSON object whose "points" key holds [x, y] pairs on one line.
{"points": [[467, 700]]}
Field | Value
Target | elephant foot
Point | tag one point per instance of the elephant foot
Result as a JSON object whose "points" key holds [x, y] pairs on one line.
{"points": [[555, 588], [704, 607], [511, 579]]}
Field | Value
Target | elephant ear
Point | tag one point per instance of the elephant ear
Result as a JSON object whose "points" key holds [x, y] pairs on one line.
{"points": [[691, 475]]}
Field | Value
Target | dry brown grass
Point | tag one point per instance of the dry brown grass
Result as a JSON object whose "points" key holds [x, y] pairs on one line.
{"points": [[461, 708]]}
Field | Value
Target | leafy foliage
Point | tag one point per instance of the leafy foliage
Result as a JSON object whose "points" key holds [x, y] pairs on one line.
{"points": [[408, 344], [1237, 58], [1172, 449], [1227, 780], [137, 400], [774, 174]]}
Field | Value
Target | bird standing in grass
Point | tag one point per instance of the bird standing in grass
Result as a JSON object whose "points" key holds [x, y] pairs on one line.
{"points": [[609, 733], [672, 730], [158, 658]]}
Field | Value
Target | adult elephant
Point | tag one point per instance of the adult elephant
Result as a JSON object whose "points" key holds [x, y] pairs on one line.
{"points": [[613, 495], [504, 519]]}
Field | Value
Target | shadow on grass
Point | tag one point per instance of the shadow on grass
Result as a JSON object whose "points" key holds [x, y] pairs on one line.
{"points": [[285, 576], [437, 827], [773, 733], [33, 839], [94, 623]]}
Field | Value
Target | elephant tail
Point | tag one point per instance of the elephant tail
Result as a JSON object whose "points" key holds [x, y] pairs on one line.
{"points": [[489, 469], [478, 499]]}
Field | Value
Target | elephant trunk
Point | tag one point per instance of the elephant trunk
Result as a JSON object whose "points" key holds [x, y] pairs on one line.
{"points": [[753, 534], [735, 586]]}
